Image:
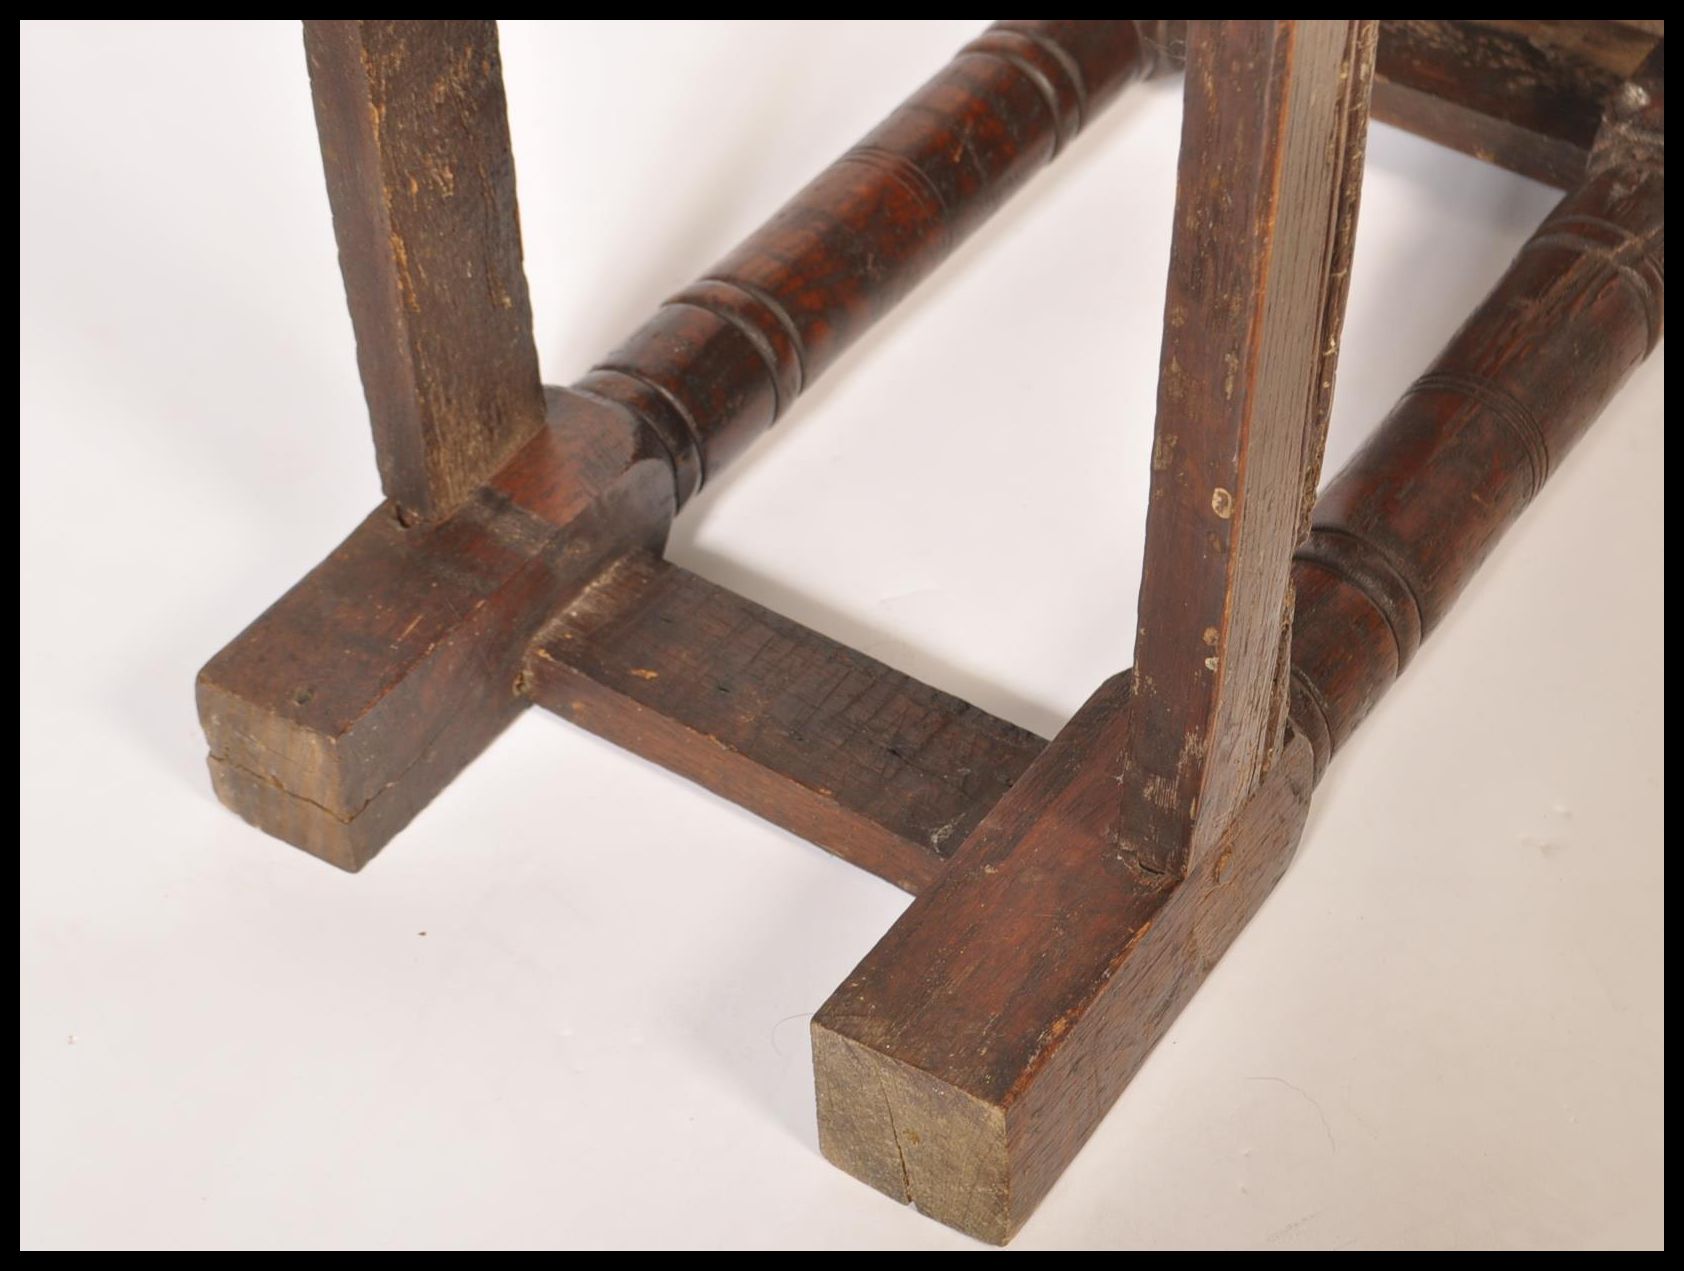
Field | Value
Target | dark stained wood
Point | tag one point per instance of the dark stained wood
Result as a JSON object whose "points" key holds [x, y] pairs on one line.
{"points": [[973, 1051], [357, 696], [1401, 530], [1525, 95], [415, 144], [967, 1059], [863, 761], [1266, 200], [348, 705], [725, 357]]}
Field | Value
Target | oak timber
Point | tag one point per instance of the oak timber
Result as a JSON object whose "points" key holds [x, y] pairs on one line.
{"points": [[853, 756], [1265, 213], [415, 145]]}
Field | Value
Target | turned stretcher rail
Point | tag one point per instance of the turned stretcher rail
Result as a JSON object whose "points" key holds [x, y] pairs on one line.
{"points": [[420, 174], [720, 362], [725, 357], [1400, 531]]}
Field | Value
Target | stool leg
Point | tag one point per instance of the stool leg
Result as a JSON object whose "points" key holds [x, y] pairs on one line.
{"points": [[415, 144], [971, 1054]]}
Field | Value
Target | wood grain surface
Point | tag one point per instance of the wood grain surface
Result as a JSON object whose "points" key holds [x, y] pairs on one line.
{"points": [[868, 763], [415, 145], [1273, 127]]}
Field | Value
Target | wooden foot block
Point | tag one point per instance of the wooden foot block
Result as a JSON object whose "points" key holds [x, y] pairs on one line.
{"points": [[967, 1059], [339, 714]]}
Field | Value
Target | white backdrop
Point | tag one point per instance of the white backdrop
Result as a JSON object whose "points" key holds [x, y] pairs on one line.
{"points": [[568, 1006]]}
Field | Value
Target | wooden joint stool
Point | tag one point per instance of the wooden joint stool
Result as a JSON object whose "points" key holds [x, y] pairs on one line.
{"points": [[1071, 895]]}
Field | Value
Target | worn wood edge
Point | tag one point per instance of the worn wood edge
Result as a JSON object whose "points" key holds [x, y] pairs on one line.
{"points": [[340, 775], [1492, 417], [866, 1097], [420, 182], [1081, 1073], [350, 842], [767, 793], [577, 668], [981, 1161], [1266, 202]]}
